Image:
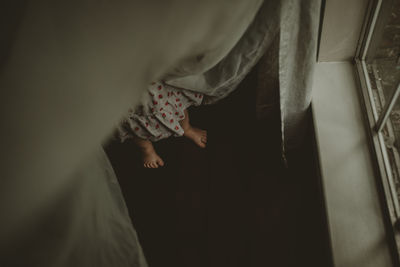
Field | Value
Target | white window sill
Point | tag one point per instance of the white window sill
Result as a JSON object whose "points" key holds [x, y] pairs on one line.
{"points": [[355, 217]]}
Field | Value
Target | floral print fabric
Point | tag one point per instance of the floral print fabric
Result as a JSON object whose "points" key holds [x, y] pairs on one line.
{"points": [[160, 117]]}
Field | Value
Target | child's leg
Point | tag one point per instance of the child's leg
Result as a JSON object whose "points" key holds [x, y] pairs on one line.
{"points": [[196, 135], [150, 157]]}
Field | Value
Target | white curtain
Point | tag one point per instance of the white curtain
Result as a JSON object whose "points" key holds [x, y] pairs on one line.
{"points": [[69, 70]]}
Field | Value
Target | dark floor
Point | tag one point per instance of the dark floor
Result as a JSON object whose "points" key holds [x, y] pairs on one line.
{"points": [[232, 204]]}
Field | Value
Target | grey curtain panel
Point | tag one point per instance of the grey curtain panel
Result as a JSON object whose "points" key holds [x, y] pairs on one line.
{"points": [[287, 31], [70, 70]]}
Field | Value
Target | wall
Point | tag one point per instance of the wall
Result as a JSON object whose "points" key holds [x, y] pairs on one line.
{"points": [[342, 23]]}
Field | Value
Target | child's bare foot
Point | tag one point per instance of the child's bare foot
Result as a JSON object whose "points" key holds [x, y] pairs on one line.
{"points": [[150, 157], [196, 135]]}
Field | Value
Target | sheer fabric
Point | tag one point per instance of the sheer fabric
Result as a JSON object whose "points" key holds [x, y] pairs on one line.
{"points": [[70, 70]]}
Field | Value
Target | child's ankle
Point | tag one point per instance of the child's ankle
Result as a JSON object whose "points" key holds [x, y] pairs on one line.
{"points": [[147, 147]]}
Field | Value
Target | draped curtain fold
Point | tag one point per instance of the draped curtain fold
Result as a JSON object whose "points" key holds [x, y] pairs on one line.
{"points": [[70, 69]]}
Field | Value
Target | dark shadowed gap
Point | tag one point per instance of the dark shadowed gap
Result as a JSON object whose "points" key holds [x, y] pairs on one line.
{"points": [[232, 204]]}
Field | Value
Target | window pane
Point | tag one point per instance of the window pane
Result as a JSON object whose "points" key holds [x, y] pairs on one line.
{"points": [[384, 72]]}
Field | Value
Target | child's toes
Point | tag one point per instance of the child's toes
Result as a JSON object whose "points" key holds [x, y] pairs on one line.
{"points": [[202, 144], [160, 162]]}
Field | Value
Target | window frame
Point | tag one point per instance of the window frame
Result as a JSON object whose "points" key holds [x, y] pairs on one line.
{"points": [[376, 18]]}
